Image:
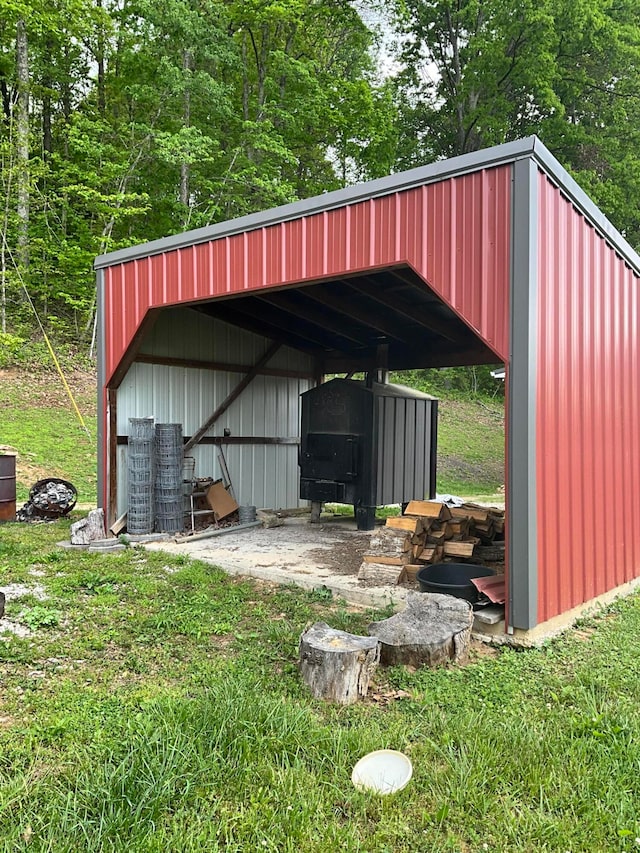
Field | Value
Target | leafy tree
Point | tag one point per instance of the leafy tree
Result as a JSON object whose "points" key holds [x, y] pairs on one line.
{"points": [[133, 119], [480, 72]]}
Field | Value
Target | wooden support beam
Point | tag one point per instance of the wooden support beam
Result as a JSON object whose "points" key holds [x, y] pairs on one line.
{"points": [[346, 300], [455, 332], [111, 509], [129, 357], [222, 408], [405, 359], [223, 310], [298, 307], [200, 364], [235, 439]]}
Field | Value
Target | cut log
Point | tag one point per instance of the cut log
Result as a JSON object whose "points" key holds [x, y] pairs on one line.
{"points": [[433, 629], [470, 511], [485, 530], [403, 522], [89, 529], [428, 509], [409, 573], [490, 553], [427, 554], [390, 541], [459, 549], [437, 534], [385, 560], [498, 525], [380, 573], [459, 526], [335, 665], [431, 554]]}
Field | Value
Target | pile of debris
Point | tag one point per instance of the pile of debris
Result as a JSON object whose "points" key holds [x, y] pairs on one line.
{"points": [[430, 532], [48, 499]]}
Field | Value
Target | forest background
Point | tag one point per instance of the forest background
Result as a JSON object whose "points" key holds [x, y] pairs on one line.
{"points": [[123, 121]]}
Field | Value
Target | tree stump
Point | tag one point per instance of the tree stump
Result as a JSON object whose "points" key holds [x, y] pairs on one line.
{"points": [[335, 665], [432, 629], [88, 529]]}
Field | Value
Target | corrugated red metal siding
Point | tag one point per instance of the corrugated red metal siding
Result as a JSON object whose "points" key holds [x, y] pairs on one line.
{"points": [[588, 417], [455, 233]]}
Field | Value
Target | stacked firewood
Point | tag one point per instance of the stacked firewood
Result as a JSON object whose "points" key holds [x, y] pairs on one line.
{"points": [[430, 532]]}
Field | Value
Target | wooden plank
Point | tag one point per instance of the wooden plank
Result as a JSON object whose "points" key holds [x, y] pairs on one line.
{"points": [[222, 366], [222, 408], [119, 525], [235, 439], [111, 510], [429, 509]]}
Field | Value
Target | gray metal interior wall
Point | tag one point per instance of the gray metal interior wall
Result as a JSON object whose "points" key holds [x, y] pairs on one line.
{"points": [[263, 475]]}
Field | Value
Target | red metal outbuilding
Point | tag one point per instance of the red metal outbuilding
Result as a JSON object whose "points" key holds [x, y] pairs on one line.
{"points": [[492, 257]]}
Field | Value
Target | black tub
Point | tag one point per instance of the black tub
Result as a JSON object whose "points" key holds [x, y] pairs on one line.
{"points": [[452, 579]]}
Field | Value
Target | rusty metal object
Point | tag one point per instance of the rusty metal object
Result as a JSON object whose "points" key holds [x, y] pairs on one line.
{"points": [[7, 487]]}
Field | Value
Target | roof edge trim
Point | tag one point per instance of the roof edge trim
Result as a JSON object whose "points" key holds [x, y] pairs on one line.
{"points": [[440, 170], [578, 197]]}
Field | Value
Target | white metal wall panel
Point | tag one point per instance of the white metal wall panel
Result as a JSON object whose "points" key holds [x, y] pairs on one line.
{"points": [[263, 475]]}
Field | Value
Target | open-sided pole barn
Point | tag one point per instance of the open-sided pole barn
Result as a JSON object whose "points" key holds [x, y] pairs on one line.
{"points": [[496, 256]]}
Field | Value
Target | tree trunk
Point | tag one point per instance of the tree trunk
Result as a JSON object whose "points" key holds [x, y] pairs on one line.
{"points": [[431, 630], [22, 145], [186, 121], [335, 665], [99, 57]]}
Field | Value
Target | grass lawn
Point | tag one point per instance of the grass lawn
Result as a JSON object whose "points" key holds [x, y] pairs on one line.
{"points": [[156, 706], [38, 420]]}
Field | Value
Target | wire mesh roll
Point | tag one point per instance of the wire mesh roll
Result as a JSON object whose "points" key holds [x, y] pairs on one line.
{"points": [[140, 470], [168, 481]]}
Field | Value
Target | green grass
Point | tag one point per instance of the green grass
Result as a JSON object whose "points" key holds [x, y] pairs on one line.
{"points": [[38, 420], [156, 706], [470, 446]]}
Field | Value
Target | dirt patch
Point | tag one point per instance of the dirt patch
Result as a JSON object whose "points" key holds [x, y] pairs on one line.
{"points": [[461, 470], [47, 391], [343, 557]]}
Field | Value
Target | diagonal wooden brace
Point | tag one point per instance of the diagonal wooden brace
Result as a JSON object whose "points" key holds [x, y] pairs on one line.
{"points": [[222, 408]]}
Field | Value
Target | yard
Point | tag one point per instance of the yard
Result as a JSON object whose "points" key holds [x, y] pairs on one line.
{"points": [[155, 704]]}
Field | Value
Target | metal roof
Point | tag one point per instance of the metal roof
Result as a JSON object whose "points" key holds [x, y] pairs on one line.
{"points": [[344, 320], [508, 152]]}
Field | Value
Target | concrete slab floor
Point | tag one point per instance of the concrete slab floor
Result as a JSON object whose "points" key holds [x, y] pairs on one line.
{"points": [[328, 555]]}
